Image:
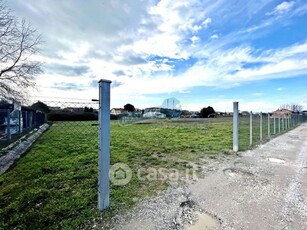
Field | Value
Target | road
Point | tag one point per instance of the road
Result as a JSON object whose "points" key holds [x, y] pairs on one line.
{"points": [[264, 188]]}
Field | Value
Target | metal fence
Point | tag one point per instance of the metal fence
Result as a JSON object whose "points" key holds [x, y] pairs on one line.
{"points": [[67, 123], [261, 127], [14, 123]]}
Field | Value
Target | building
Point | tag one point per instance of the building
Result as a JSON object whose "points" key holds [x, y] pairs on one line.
{"points": [[244, 113], [117, 111], [285, 113]]}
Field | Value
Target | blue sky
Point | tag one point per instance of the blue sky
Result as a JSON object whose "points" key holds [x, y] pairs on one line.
{"points": [[203, 52]]}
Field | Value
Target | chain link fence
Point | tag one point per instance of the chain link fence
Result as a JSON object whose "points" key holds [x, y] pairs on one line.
{"points": [[68, 124]]}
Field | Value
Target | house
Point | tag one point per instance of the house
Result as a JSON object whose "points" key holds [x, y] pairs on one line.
{"points": [[220, 114], [282, 113], [153, 109], [154, 115], [244, 113], [117, 111]]}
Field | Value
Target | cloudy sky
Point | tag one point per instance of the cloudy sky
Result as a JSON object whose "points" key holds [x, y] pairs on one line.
{"points": [[202, 52]]}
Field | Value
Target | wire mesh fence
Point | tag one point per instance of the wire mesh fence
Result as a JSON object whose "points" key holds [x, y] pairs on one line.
{"points": [[261, 127], [72, 126]]}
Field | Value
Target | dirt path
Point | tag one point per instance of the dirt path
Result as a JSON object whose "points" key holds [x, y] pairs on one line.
{"points": [[265, 188]]}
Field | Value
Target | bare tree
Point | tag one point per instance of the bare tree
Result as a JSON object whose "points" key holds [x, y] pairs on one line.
{"points": [[19, 42], [293, 107]]}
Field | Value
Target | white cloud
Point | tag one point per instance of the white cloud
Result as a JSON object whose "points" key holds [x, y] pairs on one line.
{"points": [[257, 94], [214, 36], [194, 39], [139, 44], [282, 8], [280, 89], [207, 22]]}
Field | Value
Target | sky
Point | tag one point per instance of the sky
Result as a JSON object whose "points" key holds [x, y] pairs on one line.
{"points": [[202, 52]]}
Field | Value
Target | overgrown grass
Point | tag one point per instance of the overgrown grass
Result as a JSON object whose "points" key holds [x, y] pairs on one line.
{"points": [[270, 128], [55, 184]]}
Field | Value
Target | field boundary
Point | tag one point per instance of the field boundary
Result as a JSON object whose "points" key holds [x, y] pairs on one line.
{"points": [[22, 146]]}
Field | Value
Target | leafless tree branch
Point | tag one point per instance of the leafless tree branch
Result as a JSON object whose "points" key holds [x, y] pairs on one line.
{"points": [[293, 107], [18, 42]]}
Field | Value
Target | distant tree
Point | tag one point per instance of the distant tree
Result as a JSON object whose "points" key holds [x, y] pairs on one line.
{"points": [[206, 111], [88, 109], [40, 106], [18, 44], [185, 112], [3, 102], [129, 108], [293, 107]]}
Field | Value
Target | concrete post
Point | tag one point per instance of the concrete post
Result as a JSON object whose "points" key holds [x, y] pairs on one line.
{"points": [[251, 128], [289, 122], [235, 126], [274, 125], [19, 122], [31, 119], [279, 124], [8, 126], [269, 126], [260, 126], [104, 145], [26, 120]]}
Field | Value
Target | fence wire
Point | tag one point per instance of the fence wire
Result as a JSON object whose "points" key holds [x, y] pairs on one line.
{"points": [[72, 127], [258, 128]]}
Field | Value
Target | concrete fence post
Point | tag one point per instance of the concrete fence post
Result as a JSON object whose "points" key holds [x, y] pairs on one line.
{"points": [[274, 125], [279, 124], [8, 126], [251, 128], [235, 126], [19, 123], [30, 119], [269, 126], [289, 122], [260, 126], [104, 145], [26, 120]]}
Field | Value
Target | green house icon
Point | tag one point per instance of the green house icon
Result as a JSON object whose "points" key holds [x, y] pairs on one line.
{"points": [[120, 174]]}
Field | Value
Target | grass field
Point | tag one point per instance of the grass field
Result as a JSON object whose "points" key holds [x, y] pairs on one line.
{"points": [[55, 184]]}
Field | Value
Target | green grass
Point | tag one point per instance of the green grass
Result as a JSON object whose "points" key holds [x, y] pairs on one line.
{"points": [[55, 184], [280, 128]]}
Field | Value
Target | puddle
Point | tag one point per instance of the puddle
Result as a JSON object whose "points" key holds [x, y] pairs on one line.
{"points": [[237, 173], [204, 222], [276, 160]]}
